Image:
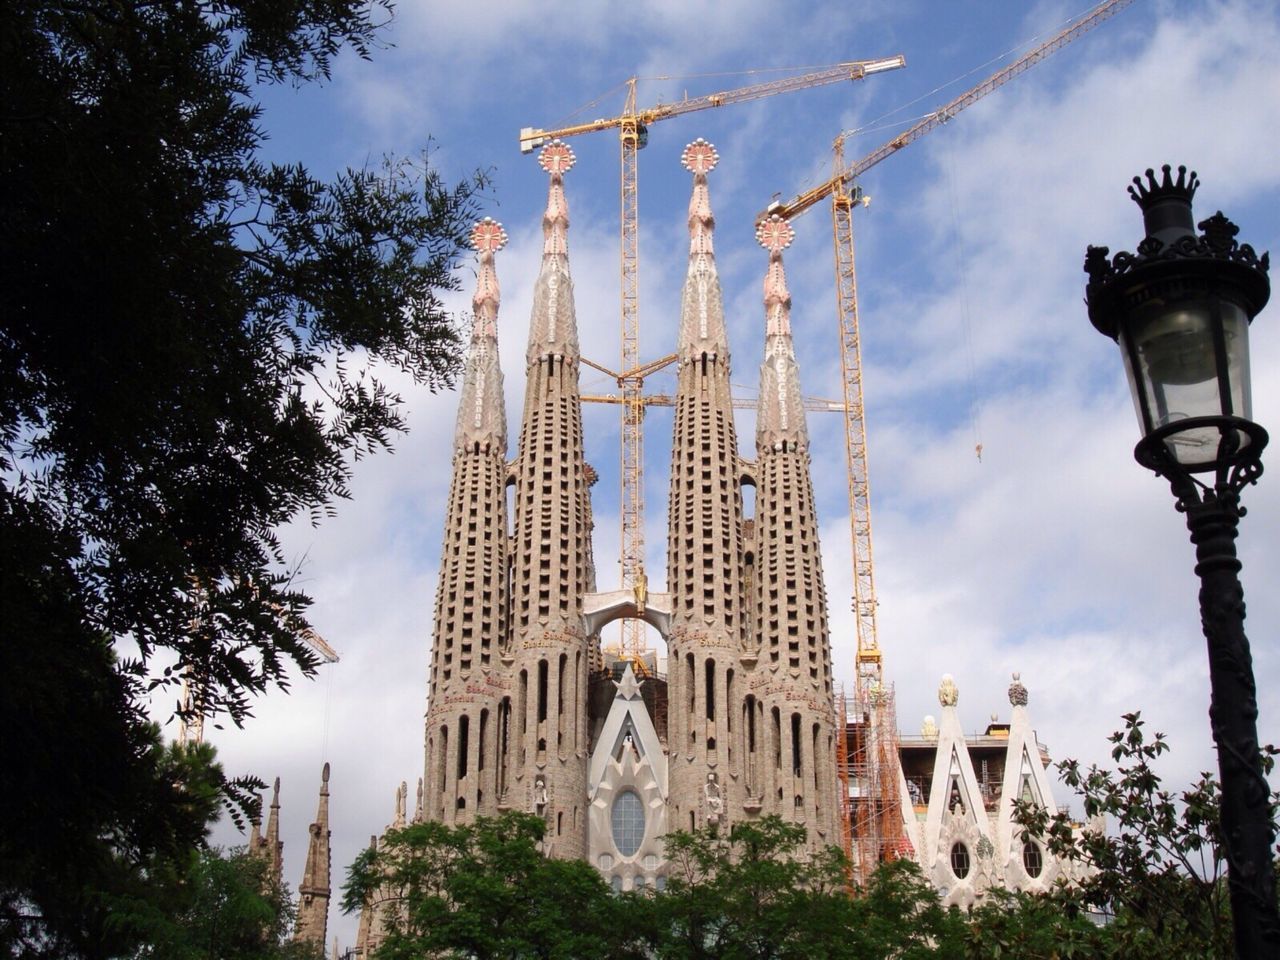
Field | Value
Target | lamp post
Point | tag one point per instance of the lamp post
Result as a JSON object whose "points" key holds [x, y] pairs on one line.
{"points": [[1180, 310]]}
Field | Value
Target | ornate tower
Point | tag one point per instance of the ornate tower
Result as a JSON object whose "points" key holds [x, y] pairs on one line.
{"points": [[791, 688], [704, 540], [550, 653], [314, 891], [471, 626], [270, 847]]}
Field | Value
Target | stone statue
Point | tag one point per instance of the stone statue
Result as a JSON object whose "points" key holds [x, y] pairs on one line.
{"points": [[715, 802]]}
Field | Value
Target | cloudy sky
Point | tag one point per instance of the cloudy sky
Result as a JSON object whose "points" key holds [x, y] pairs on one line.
{"points": [[1054, 555]]}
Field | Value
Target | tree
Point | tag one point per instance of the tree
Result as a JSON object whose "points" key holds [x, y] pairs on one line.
{"points": [[756, 892], [484, 891], [1029, 926], [187, 343], [218, 906], [749, 892], [1159, 873]]}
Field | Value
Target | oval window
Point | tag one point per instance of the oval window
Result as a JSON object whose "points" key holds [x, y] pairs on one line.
{"points": [[1032, 859], [960, 860], [628, 822]]}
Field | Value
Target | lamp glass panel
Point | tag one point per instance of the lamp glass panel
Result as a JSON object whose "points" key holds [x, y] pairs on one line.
{"points": [[1177, 369]]}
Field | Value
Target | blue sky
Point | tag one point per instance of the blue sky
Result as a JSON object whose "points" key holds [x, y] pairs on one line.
{"points": [[1055, 555]]}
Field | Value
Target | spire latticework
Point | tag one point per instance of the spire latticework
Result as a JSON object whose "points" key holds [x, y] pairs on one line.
{"points": [[551, 570], [789, 597], [705, 559], [471, 620]]}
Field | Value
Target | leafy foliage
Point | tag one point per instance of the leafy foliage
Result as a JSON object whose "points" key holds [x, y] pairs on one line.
{"points": [[485, 891], [1158, 874], [217, 907], [748, 893], [187, 343], [1036, 927]]}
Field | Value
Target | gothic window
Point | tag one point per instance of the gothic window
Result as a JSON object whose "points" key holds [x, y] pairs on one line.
{"points": [[627, 821], [1032, 859], [960, 860]]}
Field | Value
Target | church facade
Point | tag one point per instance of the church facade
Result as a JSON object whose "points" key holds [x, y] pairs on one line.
{"points": [[525, 710]]}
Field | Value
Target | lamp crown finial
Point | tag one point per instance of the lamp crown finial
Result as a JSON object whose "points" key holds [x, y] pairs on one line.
{"points": [[1153, 191]]}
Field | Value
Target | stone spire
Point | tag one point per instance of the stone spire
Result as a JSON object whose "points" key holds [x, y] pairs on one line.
{"points": [[471, 617], [780, 418], [788, 594], [272, 845], [314, 891], [701, 309], [554, 329], [544, 721], [481, 409], [704, 542]]}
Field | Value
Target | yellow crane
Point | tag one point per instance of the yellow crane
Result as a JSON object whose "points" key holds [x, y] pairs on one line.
{"points": [[844, 194], [633, 133], [872, 823]]}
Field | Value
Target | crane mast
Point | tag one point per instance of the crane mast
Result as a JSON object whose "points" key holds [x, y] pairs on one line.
{"points": [[633, 134], [872, 831]]}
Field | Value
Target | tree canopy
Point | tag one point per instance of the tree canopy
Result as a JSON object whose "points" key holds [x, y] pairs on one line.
{"points": [[1157, 874], [485, 890], [188, 340]]}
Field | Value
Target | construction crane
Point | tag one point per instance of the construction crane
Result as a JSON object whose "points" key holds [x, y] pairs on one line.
{"points": [[873, 831], [844, 195], [633, 134]]}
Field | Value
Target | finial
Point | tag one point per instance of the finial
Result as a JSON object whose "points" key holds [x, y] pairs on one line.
{"points": [[324, 778], [275, 793], [1166, 204], [775, 234], [487, 236], [1144, 195], [556, 158], [948, 692], [699, 157], [1017, 692]]}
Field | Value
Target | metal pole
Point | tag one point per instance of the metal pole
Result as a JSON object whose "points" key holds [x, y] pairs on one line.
{"points": [[1213, 517]]}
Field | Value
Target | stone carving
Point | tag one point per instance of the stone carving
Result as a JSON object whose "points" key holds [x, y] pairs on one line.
{"points": [[948, 692], [1017, 692], [715, 802]]}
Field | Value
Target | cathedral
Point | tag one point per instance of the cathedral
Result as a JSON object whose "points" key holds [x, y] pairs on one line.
{"points": [[527, 711]]}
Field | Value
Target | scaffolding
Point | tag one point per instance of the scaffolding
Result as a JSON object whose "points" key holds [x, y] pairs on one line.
{"points": [[870, 767], [842, 772]]}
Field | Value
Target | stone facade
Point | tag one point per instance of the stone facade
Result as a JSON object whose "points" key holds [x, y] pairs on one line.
{"points": [[527, 712], [524, 712], [958, 794]]}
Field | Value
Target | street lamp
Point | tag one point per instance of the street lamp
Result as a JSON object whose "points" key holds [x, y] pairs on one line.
{"points": [[1180, 310]]}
